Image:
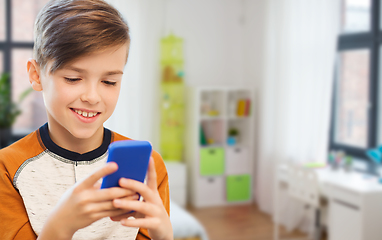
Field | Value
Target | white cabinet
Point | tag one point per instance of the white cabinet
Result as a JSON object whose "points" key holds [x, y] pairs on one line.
{"points": [[355, 211], [237, 161], [210, 191], [345, 221], [219, 145], [177, 178]]}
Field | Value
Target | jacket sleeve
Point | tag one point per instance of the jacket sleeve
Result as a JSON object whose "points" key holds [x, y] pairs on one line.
{"points": [[14, 222], [163, 189]]}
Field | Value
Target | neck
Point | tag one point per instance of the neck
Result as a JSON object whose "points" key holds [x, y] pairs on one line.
{"points": [[66, 140]]}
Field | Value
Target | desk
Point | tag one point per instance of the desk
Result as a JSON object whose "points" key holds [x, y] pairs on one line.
{"points": [[355, 203]]}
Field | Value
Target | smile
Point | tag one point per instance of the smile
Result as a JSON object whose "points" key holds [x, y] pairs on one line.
{"points": [[85, 114]]}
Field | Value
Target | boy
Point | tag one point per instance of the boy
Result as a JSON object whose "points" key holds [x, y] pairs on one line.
{"points": [[49, 180]]}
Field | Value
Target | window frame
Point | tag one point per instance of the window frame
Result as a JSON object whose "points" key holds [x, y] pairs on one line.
{"points": [[371, 40], [7, 46]]}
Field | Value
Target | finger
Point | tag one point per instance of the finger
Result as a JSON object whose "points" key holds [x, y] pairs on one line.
{"points": [[101, 207], [145, 208], [123, 216], [110, 213], [97, 185], [134, 197], [141, 223], [139, 215], [109, 194], [152, 175], [141, 188], [98, 174]]}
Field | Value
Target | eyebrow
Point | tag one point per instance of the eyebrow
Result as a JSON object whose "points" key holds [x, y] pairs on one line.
{"points": [[115, 72]]}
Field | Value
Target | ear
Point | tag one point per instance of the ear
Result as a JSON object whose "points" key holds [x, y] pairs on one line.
{"points": [[33, 70]]}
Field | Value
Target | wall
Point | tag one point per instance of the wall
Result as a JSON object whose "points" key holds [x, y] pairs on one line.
{"points": [[213, 33], [222, 46], [254, 64]]}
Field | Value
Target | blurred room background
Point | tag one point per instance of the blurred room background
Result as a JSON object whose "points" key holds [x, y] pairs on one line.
{"points": [[266, 112]]}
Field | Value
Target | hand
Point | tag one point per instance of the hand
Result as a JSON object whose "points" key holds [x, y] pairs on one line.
{"points": [[84, 204], [151, 214]]}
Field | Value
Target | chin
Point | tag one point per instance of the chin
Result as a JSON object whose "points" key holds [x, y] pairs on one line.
{"points": [[84, 133]]}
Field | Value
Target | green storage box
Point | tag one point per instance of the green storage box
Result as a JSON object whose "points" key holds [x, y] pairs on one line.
{"points": [[211, 161], [238, 187]]}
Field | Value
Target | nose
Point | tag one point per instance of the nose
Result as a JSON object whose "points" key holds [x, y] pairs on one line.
{"points": [[91, 94]]}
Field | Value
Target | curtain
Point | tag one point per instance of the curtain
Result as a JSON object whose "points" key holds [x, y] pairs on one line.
{"points": [[136, 110], [123, 120], [295, 94]]}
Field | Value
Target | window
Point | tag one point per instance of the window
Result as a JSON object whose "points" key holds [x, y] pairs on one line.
{"points": [[16, 44], [356, 101]]}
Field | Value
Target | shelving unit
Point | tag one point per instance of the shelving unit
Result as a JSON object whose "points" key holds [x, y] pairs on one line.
{"points": [[219, 173]]}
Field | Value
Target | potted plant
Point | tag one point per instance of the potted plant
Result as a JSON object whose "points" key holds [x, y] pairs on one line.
{"points": [[233, 135], [9, 110]]}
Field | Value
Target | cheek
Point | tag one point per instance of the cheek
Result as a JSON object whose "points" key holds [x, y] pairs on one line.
{"points": [[58, 94], [110, 97]]}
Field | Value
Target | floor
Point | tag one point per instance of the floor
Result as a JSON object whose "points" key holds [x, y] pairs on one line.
{"points": [[243, 222]]}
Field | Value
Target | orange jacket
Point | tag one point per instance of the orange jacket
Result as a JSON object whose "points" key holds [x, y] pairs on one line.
{"points": [[17, 190]]}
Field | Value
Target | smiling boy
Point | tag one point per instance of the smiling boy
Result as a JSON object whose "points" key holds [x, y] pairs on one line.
{"points": [[50, 180]]}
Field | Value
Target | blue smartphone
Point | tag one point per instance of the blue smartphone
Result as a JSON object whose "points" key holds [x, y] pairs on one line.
{"points": [[132, 158]]}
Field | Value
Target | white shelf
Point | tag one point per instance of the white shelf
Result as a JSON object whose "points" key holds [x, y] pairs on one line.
{"points": [[212, 190], [202, 118], [212, 146], [239, 118], [235, 146]]}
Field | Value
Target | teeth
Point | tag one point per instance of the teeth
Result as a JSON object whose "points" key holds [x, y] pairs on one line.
{"points": [[86, 114]]}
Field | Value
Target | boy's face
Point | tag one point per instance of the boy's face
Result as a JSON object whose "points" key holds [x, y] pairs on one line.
{"points": [[80, 97]]}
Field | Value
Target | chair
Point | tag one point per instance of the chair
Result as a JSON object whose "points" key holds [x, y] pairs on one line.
{"points": [[302, 185]]}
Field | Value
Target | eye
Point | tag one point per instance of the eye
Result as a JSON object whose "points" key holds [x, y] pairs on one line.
{"points": [[110, 83], [72, 79]]}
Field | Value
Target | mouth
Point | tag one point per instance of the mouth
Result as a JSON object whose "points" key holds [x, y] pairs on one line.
{"points": [[85, 114]]}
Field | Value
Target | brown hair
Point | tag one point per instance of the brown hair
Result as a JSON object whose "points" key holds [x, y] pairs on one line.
{"points": [[68, 29]]}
